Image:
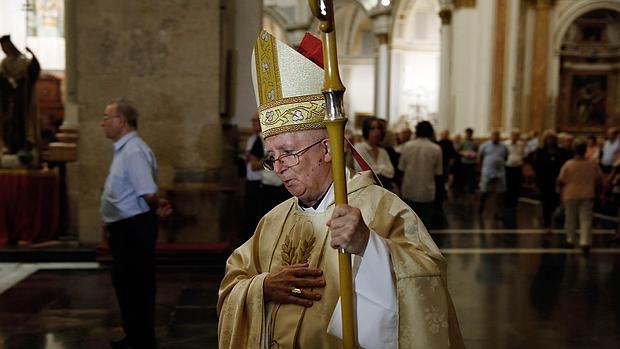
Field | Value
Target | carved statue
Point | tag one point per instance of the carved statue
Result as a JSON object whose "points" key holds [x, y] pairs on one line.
{"points": [[19, 124]]}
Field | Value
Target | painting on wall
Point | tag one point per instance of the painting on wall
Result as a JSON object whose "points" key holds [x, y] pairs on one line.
{"points": [[45, 18], [588, 100], [359, 119]]}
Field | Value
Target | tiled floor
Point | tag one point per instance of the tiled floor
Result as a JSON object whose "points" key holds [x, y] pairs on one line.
{"points": [[76, 308], [513, 285]]}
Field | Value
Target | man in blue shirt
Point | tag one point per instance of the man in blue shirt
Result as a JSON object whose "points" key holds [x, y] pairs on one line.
{"points": [[492, 156], [129, 210]]}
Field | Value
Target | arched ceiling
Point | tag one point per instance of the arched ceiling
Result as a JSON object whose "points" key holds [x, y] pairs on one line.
{"points": [[295, 12]]}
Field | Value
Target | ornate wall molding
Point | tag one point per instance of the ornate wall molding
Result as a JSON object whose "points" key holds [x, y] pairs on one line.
{"points": [[464, 3]]}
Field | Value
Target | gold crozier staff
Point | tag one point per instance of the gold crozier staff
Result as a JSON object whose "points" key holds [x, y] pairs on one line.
{"points": [[335, 121]]}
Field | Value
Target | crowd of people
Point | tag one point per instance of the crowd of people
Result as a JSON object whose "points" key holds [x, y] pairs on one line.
{"points": [[570, 175]]}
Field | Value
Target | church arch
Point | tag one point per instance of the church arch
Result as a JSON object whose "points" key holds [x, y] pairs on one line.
{"points": [[576, 10], [557, 88]]}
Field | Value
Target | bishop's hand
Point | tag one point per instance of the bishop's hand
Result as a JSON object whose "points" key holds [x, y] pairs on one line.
{"points": [[348, 230], [292, 284]]}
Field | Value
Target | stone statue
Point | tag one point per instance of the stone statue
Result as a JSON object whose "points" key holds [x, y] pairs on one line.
{"points": [[19, 124]]}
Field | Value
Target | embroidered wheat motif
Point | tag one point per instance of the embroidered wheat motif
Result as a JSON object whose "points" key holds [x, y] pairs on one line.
{"points": [[305, 250], [299, 251], [287, 251]]}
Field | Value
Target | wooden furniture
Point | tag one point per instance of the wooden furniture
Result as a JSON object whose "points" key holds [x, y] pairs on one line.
{"points": [[49, 98], [29, 206]]}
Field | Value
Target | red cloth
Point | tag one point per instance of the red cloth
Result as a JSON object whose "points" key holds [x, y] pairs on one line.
{"points": [[311, 47], [29, 206]]}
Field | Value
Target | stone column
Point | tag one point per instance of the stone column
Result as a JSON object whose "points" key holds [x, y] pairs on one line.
{"points": [[497, 99], [71, 117], [538, 92], [381, 26], [445, 72], [71, 71], [518, 118], [164, 58], [247, 25]]}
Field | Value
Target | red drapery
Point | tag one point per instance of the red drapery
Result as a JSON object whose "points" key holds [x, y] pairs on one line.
{"points": [[29, 205]]}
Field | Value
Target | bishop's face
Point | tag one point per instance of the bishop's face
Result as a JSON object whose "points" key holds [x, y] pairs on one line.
{"points": [[310, 178]]}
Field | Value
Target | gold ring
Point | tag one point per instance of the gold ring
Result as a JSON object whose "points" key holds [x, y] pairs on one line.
{"points": [[295, 291]]}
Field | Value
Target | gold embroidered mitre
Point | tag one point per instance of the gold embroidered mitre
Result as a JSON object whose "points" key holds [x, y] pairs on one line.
{"points": [[287, 86]]}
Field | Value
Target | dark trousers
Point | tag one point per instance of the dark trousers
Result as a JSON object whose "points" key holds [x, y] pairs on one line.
{"points": [[549, 200], [424, 210], [513, 185], [132, 243], [252, 209], [468, 171]]}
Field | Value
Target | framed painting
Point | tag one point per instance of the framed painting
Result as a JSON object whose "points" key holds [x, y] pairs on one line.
{"points": [[588, 101], [359, 119]]}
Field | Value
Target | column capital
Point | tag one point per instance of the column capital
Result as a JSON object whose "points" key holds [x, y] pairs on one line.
{"points": [[380, 10], [381, 24], [446, 16]]}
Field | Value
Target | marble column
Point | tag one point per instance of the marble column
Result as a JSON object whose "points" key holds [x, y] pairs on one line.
{"points": [[497, 98], [540, 62], [445, 72], [247, 25], [381, 25]]}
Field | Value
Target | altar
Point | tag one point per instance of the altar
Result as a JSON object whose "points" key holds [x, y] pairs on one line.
{"points": [[29, 206]]}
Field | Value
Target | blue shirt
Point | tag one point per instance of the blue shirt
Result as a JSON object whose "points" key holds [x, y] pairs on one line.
{"points": [[132, 175], [493, 159], [610, 150]]}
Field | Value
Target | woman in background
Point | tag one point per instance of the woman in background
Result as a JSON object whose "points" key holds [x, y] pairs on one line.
{"points": [[373, 131]]}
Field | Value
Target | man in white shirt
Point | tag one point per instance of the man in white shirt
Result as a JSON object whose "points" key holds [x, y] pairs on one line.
{"points": [[421, 161], [532, 143], [610, 149], [514, 168]]}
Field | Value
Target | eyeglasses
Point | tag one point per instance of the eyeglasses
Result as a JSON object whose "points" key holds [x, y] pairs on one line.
{"points": [[108, 117], [287, 160]]}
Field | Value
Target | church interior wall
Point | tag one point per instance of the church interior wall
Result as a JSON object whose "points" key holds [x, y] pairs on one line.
{"points": [[174, 62], [472, 66], [418, 85], [414, 86], [166, 59], [358, 77], [12, 19]]}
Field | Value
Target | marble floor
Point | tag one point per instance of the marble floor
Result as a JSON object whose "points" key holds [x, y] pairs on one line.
{"points": [[513, 285]]}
